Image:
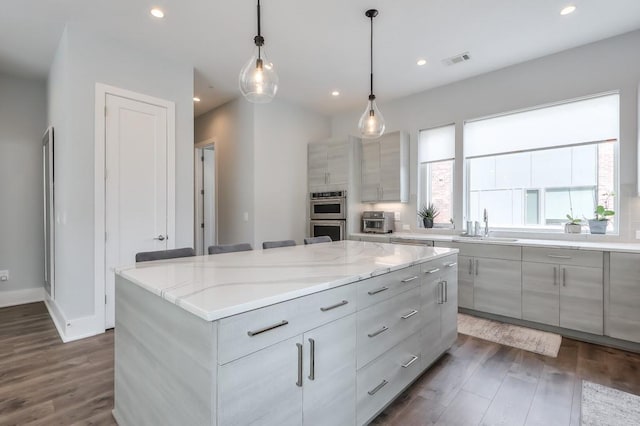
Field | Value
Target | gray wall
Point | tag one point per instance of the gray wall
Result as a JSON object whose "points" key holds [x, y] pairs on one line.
{"points": [[612, 64], [231, 126], [83, 60], [262, 168], [23, 120]]}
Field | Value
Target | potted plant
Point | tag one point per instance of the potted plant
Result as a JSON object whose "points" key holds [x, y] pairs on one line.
{"points": [[573, 226], [598, 225], [428, 213]]}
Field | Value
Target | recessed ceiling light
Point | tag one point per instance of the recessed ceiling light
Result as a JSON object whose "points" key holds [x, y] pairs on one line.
{"points": [[421, 62], [157, 13], [567, 10], [335, 93], [196, 99]]}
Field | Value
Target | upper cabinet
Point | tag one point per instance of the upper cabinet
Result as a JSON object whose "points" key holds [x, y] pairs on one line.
{"points": [[328, 165], [385, 168]]}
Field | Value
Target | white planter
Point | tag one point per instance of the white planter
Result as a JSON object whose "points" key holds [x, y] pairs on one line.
{"points": [[572, 228]]}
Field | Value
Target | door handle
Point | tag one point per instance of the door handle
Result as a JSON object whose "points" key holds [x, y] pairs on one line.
{"points": [[451, 265], [555, 276], [470, 266], [299, 382], [375, 333], [312, 359], [267, 328], [380, 290], [406, 280], [409, 315], [432, 271], [445, 284], [477, 266], [337, 305], [160, 237], [564, 277], [377, 388], [440, 293]]}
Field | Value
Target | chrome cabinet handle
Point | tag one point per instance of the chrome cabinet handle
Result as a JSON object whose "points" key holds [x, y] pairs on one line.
{"points": [[555, 276], [328, 177], [451, 265], [375, 333], [409, 315], [413, 359], [440, 293], [406, 280], [377, 388], [160, 237], [299, 382], [470, 267], [477, 266], [432, 271], [267, 328], [445, 285], [312, 359], [557, 256], [337, 305], [379, 290], [564, 277]]}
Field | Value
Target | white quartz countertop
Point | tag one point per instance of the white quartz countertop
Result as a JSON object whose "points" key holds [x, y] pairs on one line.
{"points": [[218, 286], [524, 242]]}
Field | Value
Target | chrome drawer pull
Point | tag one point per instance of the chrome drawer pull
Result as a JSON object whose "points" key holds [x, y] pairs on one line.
{"points": [[312, 359], [410, 314], [446, 291], [268, 328], [451, 265], [406, 280], [413, 359], [337, 305], [299, 382], [432, 271], [377, 388], [557, 256], [382, 330], [555, 274], [380, 290]]}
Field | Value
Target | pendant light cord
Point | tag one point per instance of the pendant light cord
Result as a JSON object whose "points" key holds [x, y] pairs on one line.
{"points": [[371, 60], [259, 35], [259, 40]]}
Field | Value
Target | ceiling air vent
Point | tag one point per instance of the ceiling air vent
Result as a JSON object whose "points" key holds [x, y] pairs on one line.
{"points": [[457, 59]]}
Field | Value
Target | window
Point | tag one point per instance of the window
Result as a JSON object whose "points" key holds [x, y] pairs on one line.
{"points": [[530, 169], [436, 153]]}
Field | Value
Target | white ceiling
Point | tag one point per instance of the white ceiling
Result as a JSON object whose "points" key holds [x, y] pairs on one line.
{"points": [[318, 46]]}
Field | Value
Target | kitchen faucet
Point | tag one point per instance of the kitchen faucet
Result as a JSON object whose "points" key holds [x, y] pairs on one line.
{"points": [[486, 223]]}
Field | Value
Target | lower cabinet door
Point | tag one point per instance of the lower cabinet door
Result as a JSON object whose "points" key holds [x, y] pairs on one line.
{"points": [[541, 293], [262, 388], [498, 287], [330, 374], [465, 281], [624, 297], [431, 294], [449, 308], [581, 299]]}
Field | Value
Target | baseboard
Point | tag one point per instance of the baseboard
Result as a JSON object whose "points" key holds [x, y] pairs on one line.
{"points": [[21, 297], [75, 329]]}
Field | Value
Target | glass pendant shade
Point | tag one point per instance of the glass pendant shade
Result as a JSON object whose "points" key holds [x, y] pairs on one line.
{"points": [[371, 123], [258, 78]]}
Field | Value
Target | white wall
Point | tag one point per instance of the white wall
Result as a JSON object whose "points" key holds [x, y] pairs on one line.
{"points": [[612, 64], [262, 168], [81, 61], [22, 122], [282, 133], [231, 126]]}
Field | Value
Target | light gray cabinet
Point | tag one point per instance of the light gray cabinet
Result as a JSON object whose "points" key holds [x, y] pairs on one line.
{"points": [[328, 165], [489, 277], [559, 290], [385, 168], [623, 319]]}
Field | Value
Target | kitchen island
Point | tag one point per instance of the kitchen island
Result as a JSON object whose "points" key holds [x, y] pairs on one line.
{"points": [[320, 334]]}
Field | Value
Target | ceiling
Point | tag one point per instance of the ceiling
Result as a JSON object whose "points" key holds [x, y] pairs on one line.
{"points": [[321, 46]]}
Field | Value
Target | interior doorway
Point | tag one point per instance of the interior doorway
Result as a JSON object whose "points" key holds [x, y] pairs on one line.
{"points": [[205, 232]]}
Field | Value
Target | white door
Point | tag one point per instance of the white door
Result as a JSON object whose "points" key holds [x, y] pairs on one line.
{"points": [[136, 187]]}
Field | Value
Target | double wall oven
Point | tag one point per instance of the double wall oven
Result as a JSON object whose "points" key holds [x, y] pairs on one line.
{"points": [[328, 214]]}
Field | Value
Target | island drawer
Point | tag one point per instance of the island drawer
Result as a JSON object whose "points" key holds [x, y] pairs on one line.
{"points": [[383, 287], [434, 269], [570, 257], [251, 331], [381, 380], [383, 325]]}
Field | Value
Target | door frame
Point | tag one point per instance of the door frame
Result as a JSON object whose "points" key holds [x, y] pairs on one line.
{"points": [[197, 186], [101, 92]]}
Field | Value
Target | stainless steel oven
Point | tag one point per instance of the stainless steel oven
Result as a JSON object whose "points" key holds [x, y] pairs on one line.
{"points": [[328, 205], [332, 228]]}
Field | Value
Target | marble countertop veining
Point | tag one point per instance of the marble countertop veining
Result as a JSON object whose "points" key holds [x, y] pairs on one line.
{"points": [[524, 242], [217, 286]]}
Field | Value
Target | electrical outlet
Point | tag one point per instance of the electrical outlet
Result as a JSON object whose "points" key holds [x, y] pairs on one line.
{"points": [[4, 275], [397, 216], [637, 234], [406, 227]]}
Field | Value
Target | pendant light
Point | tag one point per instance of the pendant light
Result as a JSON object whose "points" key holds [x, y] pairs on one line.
{"points": [[371, 123], [258, 79]]}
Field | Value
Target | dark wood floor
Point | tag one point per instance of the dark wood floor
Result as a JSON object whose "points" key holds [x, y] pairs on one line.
{"points": [[46, 382]]}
